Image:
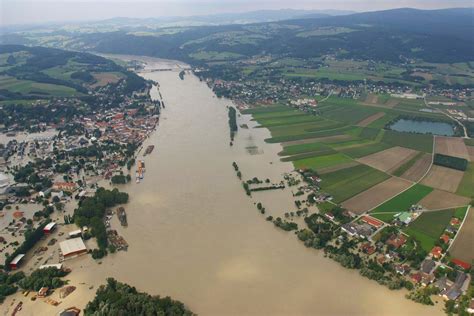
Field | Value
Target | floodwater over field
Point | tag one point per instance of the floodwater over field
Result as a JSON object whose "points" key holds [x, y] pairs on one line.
{"points": [[424, 127], [193, 234]]}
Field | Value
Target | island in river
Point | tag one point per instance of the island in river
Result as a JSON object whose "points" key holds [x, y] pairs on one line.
{"points": [[193, 234]]}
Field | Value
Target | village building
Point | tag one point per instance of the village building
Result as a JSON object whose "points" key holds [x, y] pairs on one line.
{"points": [[16, 262], [64, 186], [71, 248], [49, 228]]}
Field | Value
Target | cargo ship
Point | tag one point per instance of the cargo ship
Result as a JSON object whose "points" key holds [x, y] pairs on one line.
{"points": [[122, 216], [149, 150]]}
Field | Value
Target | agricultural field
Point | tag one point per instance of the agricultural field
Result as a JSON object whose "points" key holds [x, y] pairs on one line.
{"points": [[361, 151], [28, 87], [404, 200], [419, 168], [408, 164], [320, 162], [443, 178], [420, 142], [346, 183], [462, 246], [104, 78], [376, 195], [390, 159], [429, 226], [304, 148], [466, 186], [451, 146], [442, 200], [214, 56]]}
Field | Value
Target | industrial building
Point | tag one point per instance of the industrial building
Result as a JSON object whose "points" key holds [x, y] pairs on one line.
{"points": [[71, 248]]}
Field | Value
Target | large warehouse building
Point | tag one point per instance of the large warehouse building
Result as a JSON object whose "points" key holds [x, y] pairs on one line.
{"points": [[73, 247]]}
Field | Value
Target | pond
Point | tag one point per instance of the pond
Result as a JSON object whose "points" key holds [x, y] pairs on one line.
{"points": [[424, 127]]}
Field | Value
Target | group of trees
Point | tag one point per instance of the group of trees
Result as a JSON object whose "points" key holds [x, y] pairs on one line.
{"points": [[232, 122], [31, 238], [48, 277], [117, 298], [7, 284], [450, 162], [91, 212]]}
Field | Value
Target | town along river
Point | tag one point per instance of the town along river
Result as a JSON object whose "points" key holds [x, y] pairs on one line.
{"points": [[194, 235]]}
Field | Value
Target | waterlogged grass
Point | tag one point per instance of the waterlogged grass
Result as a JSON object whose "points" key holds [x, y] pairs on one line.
{"points": [[405, 200], [429, 226], [319, 162]]}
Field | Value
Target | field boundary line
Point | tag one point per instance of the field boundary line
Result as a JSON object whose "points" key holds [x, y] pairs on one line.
{"points": [[460, 227], [432, 161]]}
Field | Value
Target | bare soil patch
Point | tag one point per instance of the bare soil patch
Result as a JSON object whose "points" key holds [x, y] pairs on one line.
{"points": [[452, 146], [388, 159], [443, 178], [392, 103], [463, 247], [104, 78], [372, 99], [470, 150], [443, 200], [376, 195], [419, 168], [370, 119]]}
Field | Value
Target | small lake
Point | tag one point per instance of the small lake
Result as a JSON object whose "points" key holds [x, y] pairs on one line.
{"points": [[424, 127]]}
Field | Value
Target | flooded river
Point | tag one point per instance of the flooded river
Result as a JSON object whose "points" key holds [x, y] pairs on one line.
{"points": [[196, 236]]}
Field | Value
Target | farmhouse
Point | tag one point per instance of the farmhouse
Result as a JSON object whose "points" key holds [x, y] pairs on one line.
{"points": [[48, 229], [436, 252], [396, 240], [462, 264], [15, 263], [372, 221], [71, 248]]}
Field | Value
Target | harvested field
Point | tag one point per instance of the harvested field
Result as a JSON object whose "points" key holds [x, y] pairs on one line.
{"points": [[338, 167], [104, 78], [376, 195], [443, 178], [452, 146], [319, 139], [419, 168], [370, 119], [392, 103], [462, 247], [372, 99], [442, 200], [389, 159], [470, 150]]}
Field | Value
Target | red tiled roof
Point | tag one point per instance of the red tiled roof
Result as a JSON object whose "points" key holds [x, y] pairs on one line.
{"points": [[372, 221], [445, 238], [436, 251], [462, 264]]}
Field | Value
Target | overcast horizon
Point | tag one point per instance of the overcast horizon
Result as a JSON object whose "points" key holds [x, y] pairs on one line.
{"points": [[17, 12]]}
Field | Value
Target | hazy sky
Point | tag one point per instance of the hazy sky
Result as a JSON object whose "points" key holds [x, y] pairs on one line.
{"points": [[37, 11]]}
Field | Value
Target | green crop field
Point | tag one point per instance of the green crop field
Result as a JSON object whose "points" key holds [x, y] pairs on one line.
{"points": [[26, 87], [324, 133], [429, 226], [419, 142], [344, 184], [266, 110], [361, 151], [303, 148], [460, 212], [466, 187], [404, 200], [287, 120], [319, 162]]}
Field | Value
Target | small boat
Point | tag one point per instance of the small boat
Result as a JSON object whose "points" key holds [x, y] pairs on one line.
{"points": [[138, 180]]}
